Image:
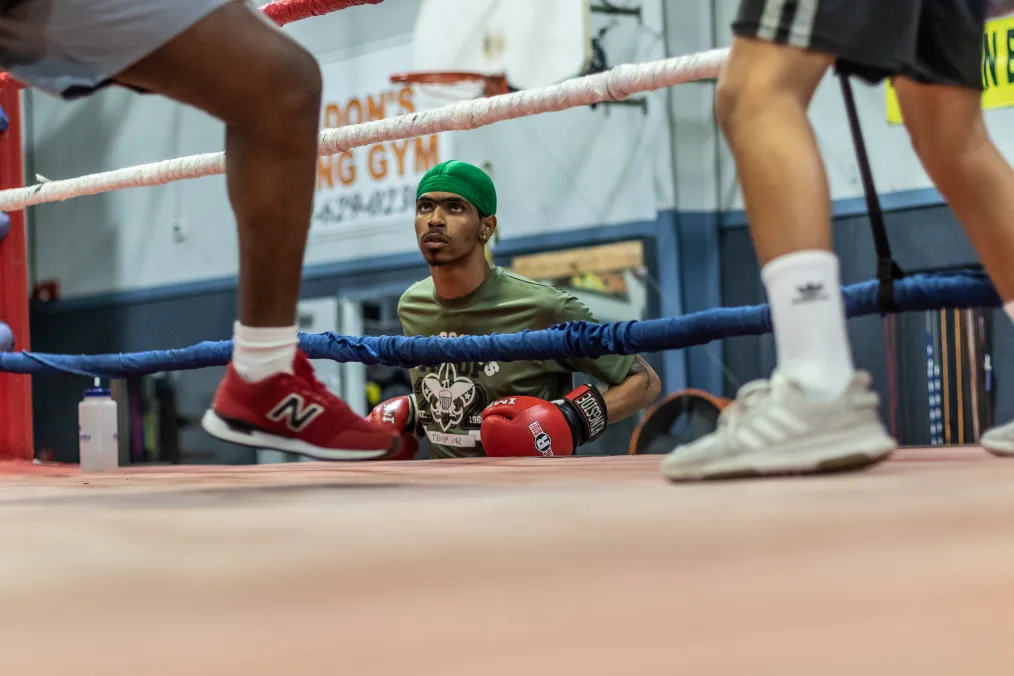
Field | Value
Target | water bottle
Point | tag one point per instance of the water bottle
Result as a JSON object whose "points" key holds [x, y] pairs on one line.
{"points": [[97, 430]]}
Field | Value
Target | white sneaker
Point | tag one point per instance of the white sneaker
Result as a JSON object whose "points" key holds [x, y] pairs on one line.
{"points": [[775, 428], [999, 440]]}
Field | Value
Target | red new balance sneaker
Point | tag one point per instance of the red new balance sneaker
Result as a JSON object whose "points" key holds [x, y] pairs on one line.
{"points": [[294, 413]]}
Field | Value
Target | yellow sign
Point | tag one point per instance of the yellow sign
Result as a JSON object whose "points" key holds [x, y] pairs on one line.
{"points": [[997, 70]]}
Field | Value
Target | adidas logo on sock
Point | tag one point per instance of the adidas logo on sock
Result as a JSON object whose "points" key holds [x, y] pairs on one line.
{"points": [[808, 293]]}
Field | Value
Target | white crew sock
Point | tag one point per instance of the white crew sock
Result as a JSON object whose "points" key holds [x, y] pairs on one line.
{"points": [[259, 353], [804, 289]]}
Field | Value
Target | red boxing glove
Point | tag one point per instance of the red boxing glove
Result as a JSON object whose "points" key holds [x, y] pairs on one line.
{"points": [[529, 426], [399, 414]]}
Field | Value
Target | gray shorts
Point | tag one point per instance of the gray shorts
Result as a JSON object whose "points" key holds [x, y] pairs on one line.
{"points": [[70, 48], [930, 41]]}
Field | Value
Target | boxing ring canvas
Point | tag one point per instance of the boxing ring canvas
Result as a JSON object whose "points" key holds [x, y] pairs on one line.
{"points": [[583, 566]]}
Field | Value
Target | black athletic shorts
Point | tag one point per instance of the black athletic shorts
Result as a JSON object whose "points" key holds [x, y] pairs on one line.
{"points": [[930, 41]]}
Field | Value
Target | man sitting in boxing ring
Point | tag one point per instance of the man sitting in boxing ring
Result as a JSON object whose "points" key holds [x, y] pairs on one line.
{"points": [[522, 408]]}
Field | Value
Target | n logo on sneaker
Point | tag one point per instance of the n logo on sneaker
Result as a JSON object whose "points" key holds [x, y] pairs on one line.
{"points": [[296, 413]]}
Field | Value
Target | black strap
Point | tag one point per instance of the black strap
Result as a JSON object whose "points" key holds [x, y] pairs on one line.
{"points": [[887, 268]]}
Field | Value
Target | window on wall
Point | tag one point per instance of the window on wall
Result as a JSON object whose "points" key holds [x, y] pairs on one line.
{"points": [[610, 279]]}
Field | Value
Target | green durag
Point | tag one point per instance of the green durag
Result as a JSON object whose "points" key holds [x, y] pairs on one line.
{"points": [[463, 179]]}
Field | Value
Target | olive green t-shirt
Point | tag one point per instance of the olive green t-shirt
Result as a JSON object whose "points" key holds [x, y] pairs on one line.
{"points": [[451, 397]]}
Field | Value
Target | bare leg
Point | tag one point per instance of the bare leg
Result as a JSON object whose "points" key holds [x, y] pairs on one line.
{"points": [[815, 413], [950, 137], [237, 66], [763, 97]]}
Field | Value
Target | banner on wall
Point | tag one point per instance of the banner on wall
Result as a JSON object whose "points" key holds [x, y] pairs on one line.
{"points": [[372, 185], [997, 70]]}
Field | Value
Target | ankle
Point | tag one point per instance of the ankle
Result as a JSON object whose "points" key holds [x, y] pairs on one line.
{"points": [[259, 353], [811, 337]]}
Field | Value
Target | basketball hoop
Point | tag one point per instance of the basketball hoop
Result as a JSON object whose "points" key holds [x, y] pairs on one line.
{"points": [[457, 85]]}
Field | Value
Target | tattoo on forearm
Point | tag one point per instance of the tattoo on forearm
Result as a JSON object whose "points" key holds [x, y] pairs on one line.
{"points": [[640, 366]]}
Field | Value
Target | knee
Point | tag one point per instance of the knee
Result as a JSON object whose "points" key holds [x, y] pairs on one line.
{"points": [[297, 93], [946, 148], [286, 100], [741, 101], [926, 150], [765, 96], [729, 101]]}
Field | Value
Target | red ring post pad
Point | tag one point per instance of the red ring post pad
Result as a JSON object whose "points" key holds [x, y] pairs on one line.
{"points": [[15, 393], [287, 11], [954, 290]]}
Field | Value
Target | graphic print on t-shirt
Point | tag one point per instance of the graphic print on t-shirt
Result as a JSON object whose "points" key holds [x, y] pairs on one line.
{"points": [[450, 401], [447, 396]]}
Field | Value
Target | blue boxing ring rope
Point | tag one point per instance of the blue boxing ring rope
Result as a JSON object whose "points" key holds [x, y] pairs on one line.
{"points": [[913, 293]]}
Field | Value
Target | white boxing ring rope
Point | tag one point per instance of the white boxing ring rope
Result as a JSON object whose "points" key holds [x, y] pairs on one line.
{"points": [[611, 85]]}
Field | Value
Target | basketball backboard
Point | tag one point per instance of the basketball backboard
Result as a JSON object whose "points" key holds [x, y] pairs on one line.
{"points": [[534, 43]]}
